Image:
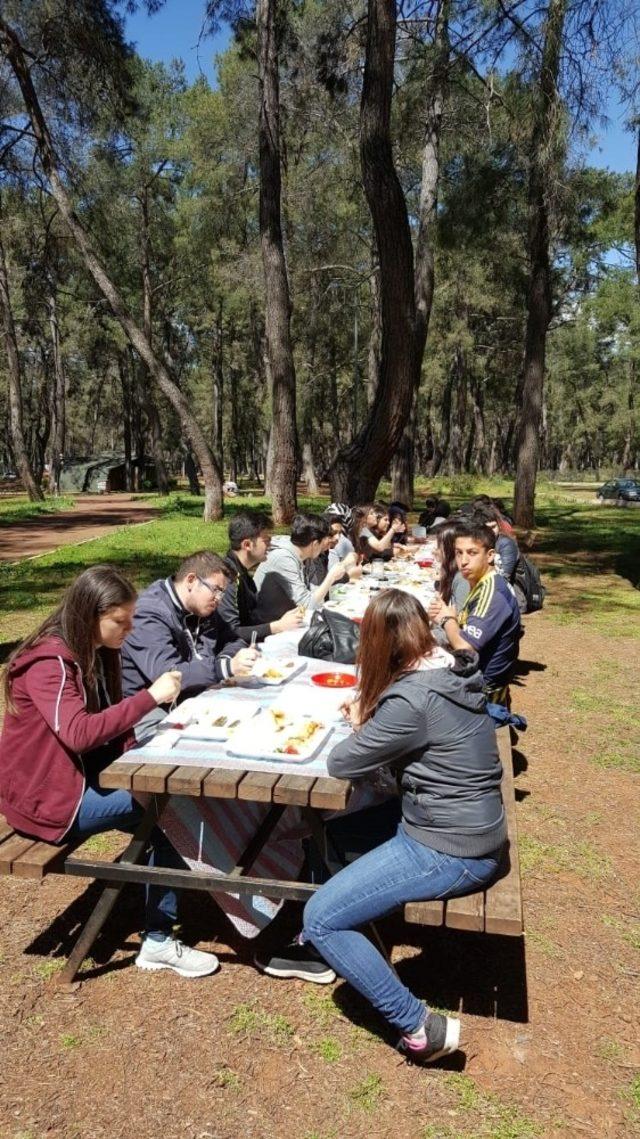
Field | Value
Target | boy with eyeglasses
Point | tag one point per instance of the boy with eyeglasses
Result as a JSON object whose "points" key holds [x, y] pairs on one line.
{"points": [[177, 627]]}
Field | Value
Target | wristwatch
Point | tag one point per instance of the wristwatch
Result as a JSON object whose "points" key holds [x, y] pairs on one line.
{"points": [[449, 617]]}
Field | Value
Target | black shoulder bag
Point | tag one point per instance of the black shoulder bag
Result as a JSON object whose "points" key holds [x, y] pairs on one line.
{"points": [[331, 636]]}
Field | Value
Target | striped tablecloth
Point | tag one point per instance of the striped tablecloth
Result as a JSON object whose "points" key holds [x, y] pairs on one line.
{"points": [[213, 833]]}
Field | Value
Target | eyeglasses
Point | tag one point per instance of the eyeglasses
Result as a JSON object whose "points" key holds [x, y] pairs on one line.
{"points": [[216, 590]]}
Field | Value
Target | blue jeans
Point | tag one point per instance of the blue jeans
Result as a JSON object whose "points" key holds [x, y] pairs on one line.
{"points": [[401, 870], [102, 810]]}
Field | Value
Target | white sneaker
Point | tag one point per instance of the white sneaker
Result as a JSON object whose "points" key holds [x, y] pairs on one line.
{"points": [[174, 954]]}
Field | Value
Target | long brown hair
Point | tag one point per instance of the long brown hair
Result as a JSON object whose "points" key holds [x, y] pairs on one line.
{"points": [[92, 594], [360, 544], [446, 538], [395, 633]]}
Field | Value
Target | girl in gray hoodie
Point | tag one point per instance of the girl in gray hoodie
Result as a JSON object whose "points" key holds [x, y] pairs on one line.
{"points": [[429, 725]]}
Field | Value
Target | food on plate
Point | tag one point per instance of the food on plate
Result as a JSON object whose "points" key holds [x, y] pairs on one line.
{"points": [[219, 722], [279, 719], [295, 744], [272, 674]]}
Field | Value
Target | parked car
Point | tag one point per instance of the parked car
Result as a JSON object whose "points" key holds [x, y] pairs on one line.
{"points": [[620, 491]]}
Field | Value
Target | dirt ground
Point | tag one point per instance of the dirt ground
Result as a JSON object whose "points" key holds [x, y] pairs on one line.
{"points": [[550, 1029], [94, 515]]}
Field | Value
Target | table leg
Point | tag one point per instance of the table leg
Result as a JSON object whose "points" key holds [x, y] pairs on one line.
{"points": [[110, 894]]}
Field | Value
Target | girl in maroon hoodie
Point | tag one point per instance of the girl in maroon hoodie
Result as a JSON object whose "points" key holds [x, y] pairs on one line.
{"points": [[65, 721]]}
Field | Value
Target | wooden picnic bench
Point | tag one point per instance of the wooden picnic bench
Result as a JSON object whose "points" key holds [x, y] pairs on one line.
{"points": [[495, 910]]}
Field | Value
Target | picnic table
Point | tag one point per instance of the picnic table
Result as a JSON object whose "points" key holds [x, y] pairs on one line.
{"points": [[236, 821]]}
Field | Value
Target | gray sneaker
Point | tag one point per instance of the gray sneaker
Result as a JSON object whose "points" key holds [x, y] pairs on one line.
{"points": [[174, 954]]}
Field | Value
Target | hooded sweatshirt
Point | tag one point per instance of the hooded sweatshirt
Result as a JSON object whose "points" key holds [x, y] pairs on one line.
{"points": [[42, 773], [431, 728]]}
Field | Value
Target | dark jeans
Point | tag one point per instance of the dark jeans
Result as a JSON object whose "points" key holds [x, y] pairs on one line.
{"points": [[101, 811]]}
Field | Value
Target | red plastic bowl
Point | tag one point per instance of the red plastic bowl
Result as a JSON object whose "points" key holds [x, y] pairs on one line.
{"points": [[334, 679]]}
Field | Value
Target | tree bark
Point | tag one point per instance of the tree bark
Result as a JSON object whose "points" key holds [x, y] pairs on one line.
{"points": [[153, 414], [358, 468], [13, 51], [539, 299], [127, 400], [58, 396], [282, 473], [403, 463], [218, 388], [637, 211], [16, 425]]}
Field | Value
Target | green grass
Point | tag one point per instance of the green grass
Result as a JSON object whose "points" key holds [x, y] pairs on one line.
{"points": [[249, 1020], [328, 1048], [18, 508], [367, 1094], [581, 858], [47, 969]]}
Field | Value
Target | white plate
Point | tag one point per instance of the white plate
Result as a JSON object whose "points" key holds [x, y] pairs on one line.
{"points": [[263, 737], [217, 719], [276, 670]]}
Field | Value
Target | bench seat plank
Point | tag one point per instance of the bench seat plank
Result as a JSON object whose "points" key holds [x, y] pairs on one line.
{"points": [[12, 849], [466, 912], [424, 913], [503, 904], [41, 858]]}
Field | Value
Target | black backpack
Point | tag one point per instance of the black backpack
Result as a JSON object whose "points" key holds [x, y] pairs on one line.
{"points": [[527, 580]]}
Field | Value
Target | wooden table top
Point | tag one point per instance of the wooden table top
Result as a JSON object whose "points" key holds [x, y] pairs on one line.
{"points": [[295, 790]]}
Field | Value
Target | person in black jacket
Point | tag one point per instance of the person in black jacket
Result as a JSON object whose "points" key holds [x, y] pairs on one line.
{"points": [[429, 725], [176, 627], [249, 538]]}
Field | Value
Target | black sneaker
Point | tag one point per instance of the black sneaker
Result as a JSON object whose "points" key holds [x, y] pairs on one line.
{"points": [[441, 1037], [299, 961]]}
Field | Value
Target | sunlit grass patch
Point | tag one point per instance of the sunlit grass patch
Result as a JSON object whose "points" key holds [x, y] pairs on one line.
{"points": [[328, 1048], [581, 858], [250, 1020], [490, 1117], [19, 509], [367, 1094]]}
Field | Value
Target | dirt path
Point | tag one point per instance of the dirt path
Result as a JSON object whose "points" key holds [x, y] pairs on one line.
{"points": [[94, 515], [549, 1033]]}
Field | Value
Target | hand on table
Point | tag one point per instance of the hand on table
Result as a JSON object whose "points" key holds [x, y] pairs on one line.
{"points": [[242, 663], [291, 620], [167, 687]]}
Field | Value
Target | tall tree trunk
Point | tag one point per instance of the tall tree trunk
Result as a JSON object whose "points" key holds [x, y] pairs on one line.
{"points": [[373, 354], [58, 395], [153, 415], [13, 51], [18, 444], [403, 463], [283, 470], [127, 400], [441, 449], [636, 212], [218, 387], [358, 468], [539, 299], [459, 416]]}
